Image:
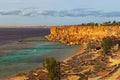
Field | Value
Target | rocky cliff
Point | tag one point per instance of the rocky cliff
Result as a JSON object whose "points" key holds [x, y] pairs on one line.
{"points": [[79, 34]]}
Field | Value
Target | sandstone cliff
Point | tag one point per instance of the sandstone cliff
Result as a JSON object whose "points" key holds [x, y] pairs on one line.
{"points": [[78, 34]]}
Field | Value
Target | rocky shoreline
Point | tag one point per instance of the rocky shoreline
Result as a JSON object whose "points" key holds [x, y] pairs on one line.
{"points": [[87, 64]]}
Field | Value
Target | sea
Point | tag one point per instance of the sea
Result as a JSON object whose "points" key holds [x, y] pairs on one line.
{"points": [[24, 49]]}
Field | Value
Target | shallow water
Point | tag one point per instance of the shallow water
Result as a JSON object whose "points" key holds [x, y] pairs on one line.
{"points": [[26, 58]]}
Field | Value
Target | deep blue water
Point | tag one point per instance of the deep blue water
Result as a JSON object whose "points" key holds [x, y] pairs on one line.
{"points": [[13, 34], [27, 58]]}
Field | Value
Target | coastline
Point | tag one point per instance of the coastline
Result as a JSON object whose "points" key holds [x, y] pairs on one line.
{"points": [[66, 61], [14, 46], [81, 50], [27, 43], [87, 64], [22, 76]]}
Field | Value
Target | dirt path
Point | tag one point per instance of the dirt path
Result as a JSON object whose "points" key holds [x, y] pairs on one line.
{"points": [[114, 75]]}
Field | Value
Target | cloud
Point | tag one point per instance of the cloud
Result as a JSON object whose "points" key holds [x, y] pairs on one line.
{"points": [[22, 12], [111, 14], [83, 12], [71, 13], [14, 12], [80, 13]]}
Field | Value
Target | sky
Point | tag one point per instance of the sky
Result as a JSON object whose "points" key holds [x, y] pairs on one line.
{"points": [[57, 12]]}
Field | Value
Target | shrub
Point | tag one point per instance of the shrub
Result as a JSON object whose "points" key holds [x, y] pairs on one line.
{"points": [[53, 68], [107, 44]]}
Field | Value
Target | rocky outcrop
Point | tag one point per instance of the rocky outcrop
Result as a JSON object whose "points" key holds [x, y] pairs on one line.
{"points": [[37, 74], [79, 34]]}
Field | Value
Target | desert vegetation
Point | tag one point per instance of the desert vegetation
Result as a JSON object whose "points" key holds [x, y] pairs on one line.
{"points": [[53, 68], [107, 43], [107, 23]]}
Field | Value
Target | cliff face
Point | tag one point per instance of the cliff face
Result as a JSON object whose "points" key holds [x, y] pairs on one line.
{"points": [[78, 34]]}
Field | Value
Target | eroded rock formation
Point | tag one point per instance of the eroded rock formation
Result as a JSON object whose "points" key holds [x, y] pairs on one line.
{"points": [[78, 34]]}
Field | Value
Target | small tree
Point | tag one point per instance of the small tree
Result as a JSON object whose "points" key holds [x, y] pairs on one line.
{"points": [[107, 44], [53, 68]]}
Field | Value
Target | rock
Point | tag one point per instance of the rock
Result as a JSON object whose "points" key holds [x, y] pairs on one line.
{"points": [[74, 78], [19, 78], [80, 34]]}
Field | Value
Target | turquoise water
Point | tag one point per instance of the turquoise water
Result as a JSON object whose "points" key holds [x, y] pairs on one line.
{"points": [[27, 58]]}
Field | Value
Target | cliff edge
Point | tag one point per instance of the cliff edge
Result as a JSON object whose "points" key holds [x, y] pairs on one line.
{"points": [[80, 34]]}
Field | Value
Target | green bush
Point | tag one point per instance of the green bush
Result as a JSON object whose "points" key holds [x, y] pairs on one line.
{"points": [[107, 44], [53, 68]]}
